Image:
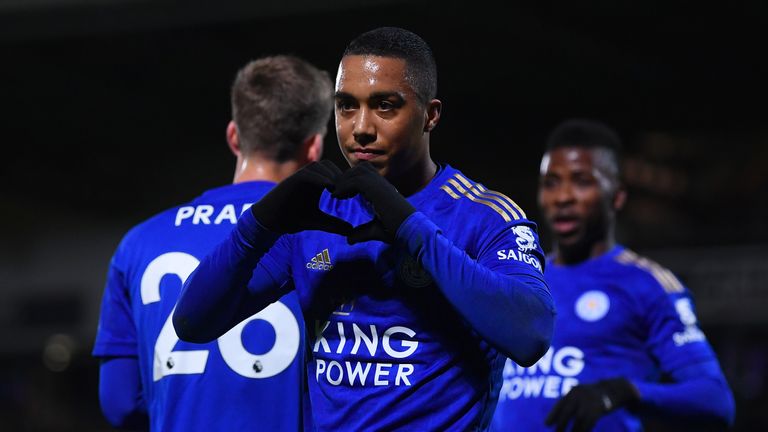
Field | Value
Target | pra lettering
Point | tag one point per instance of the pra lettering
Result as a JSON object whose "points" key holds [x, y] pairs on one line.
{"points": [[359, 340], [553, 376], [207, 214]]}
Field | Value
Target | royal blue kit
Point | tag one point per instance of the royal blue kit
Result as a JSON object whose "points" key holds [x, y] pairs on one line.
{"points": [[248, 379], [618, 315], [393, 329]]}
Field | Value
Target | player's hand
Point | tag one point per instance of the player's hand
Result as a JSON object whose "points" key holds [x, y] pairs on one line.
{"points": [[292, 205], [389, 206], [586, 403]]}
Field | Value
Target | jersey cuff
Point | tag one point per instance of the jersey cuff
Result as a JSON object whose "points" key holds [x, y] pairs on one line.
{"points": [[414, 230], [253, 233]]}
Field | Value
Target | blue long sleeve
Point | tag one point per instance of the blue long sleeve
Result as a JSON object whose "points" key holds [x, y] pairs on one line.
{"points": [[215, 297], [699, 391], [120, 393], [514, 312]]}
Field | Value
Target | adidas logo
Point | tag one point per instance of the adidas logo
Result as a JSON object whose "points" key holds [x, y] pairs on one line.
{"points": [[321, 261]]}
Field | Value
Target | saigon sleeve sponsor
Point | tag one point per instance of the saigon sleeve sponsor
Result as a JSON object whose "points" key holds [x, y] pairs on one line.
{"points": [[513, 254]]}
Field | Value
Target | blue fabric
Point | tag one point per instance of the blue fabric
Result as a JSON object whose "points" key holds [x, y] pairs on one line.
{"points": [[406, 336], [120, 394], [619, 315], [229, 384], [712, 399]]}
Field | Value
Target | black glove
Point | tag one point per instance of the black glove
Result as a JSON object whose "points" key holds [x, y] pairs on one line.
{"points": [[586, 403], [390, 208], [292, 205]]}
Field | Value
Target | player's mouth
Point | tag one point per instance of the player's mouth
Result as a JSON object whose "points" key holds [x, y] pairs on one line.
{"points": [[565, 225], [366, 154]]}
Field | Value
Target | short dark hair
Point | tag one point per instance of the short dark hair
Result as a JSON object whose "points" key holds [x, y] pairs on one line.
{"points": [[278, 102], [587, 133], [395, 42]]}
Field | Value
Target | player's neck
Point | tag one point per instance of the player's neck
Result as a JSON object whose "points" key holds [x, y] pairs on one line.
{"points": [[256, 168], [415, 178], [580, 252]]}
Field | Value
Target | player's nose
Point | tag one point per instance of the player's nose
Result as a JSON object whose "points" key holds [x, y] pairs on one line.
{"points": [[364, 130], [563, 194]]}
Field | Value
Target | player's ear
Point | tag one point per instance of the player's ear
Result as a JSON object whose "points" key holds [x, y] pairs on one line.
{"points": [[233, 139], [619, 198], [432, 116], [312, 149]]}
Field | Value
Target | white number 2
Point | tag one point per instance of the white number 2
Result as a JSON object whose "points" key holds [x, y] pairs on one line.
{"points": [[169, 362]]}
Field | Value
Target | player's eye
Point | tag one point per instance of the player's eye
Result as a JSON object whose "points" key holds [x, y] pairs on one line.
{"points": [[344, 104], [549, 182], [385, 105], [584, 181]]}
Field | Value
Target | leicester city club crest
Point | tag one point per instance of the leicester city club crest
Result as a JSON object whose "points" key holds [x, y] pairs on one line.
{"points": [[592, 305], [412, 273]]}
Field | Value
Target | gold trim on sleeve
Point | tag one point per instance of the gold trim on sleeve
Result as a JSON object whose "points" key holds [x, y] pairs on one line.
{"points": [[472, 197]]}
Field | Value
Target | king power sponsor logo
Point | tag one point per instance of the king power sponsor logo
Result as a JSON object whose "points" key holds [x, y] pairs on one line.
{"points": [[386, 349], [551, 377]]}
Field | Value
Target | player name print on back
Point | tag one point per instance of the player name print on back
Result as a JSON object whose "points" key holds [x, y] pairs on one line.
{"points": [[207, 214]]}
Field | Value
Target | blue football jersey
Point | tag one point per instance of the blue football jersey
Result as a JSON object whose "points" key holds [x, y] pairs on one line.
{"points": [[618, 315], [389, 352], [250, 378]]}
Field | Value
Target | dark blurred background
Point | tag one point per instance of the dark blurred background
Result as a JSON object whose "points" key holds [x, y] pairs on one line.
{"points": [[113, 110]]}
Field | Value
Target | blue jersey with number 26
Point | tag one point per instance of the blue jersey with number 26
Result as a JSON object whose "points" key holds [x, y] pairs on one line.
{"points": [[249, 378]]}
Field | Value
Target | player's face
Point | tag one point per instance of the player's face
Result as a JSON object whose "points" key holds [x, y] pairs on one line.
{"points": [[379, 117], [575, 196]]}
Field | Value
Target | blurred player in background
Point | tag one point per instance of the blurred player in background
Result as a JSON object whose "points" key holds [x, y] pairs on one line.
{"points": [[252, 376], [626, 340], [415, 280]]}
